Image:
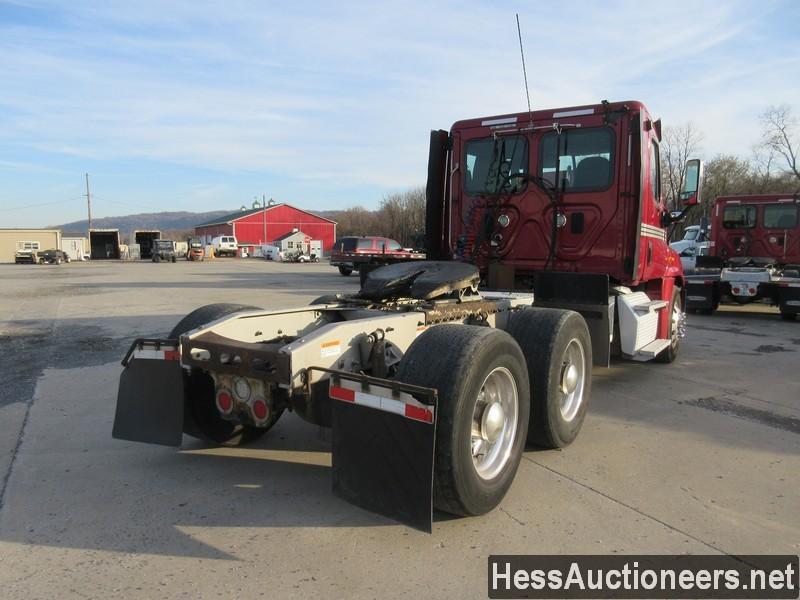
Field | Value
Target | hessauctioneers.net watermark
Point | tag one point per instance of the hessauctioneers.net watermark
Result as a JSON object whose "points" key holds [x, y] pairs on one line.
{"points": [[646, 576]]}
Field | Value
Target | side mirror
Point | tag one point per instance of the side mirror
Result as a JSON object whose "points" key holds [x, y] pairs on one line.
{"points": [[692, 182]]}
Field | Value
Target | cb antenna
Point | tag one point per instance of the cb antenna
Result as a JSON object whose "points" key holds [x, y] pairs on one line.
{"points": [[524, 71]]}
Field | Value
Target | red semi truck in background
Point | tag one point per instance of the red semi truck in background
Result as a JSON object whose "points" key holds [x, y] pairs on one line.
{"points": [[754, 255]]}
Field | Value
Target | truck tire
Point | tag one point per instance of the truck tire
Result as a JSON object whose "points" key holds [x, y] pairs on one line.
{"points": [[156, 258], [558, 352], [479, 442], [174, 259], [345, 271], [676, 314], [201, 417], [787, 316]]}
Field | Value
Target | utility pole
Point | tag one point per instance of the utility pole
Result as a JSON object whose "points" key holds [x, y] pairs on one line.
{"points": [[264, 208], [89, 202]]}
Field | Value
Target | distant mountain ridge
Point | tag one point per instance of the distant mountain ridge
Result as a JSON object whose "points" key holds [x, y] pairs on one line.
{"points": [[163, 221]]}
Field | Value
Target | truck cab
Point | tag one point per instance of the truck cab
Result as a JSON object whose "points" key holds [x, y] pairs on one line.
{"points": [[755, 255], [694, 236], [566, 202], [763, 228]]}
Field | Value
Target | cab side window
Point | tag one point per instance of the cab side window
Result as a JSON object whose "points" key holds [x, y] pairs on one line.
{"points": [[780, 216], [655, 172]]}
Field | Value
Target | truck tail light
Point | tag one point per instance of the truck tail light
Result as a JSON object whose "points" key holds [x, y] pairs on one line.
{"points": [[260, 410], [752, 290], [224, 402]]}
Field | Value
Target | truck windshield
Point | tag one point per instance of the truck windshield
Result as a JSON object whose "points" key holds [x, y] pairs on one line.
{"points": [[586, 159], [163, 245], [494, 165], [780, 216], [691, 234], [739, 217]]}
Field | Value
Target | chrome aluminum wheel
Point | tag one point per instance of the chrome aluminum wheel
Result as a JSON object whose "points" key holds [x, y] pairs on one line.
{"points": [[494, 423], [573, 380], [678, 323]]}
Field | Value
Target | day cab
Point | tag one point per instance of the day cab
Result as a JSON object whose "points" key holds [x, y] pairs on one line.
{"points": [[567, 202], [755, 255]]}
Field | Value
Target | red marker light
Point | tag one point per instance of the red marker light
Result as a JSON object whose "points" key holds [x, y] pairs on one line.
{"points": [[260, 410], [224, 402]]}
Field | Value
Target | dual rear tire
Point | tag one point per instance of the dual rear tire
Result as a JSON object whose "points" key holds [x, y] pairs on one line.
{"points": [[558, 354], [483, 410], [498, 390]]}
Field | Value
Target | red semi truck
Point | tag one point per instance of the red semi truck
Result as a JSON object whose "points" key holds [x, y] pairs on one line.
{"points": [[432, 383], [754, 255]]}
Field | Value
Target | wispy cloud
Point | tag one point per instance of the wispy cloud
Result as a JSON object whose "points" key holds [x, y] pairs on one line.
{"points": [[339, 97]]}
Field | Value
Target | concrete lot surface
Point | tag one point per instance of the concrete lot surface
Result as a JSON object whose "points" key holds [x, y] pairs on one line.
{"points": [[700, 456]]}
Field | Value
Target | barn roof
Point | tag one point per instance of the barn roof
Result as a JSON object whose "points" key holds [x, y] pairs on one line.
{"points": [[240, 214], [288, 235]]}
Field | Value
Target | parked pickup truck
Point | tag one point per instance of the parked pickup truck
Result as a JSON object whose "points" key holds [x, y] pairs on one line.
{"points": [[355, 253]]}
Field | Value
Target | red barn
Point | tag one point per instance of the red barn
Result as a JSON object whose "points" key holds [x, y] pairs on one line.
{"points": [[264, 225]]}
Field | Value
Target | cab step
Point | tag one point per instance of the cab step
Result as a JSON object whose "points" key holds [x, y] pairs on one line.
{"points": [[651, 350], [651, 306], [638, 321]]}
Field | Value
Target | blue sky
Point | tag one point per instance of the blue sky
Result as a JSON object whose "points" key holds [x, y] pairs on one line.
{"points": [[192, 105]]}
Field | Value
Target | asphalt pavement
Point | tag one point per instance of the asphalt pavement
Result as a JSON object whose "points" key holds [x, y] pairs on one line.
{"points": [[700, 456]]}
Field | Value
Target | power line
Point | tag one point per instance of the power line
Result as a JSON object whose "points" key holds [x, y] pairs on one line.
{"points": [[23, 207]]}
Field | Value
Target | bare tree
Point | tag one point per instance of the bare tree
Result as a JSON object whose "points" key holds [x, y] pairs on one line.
{"points": [[763, 166], [780, 135], [356, 220], [401, 216], [726, 174], [677, 146]]}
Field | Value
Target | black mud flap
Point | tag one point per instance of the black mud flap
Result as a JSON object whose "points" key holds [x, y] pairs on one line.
{"points": [[150, 402], [383, 435], [699, 295], [587, 294]]}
